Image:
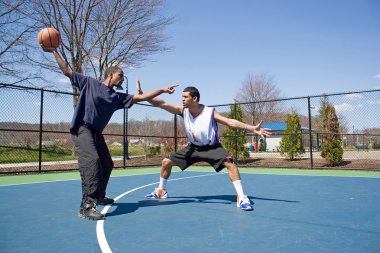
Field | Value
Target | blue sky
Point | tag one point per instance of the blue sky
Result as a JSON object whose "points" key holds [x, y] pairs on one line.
{"points": [[309, 47]]}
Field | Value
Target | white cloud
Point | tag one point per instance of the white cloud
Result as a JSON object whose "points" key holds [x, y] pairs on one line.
{"points": [[373, 102], [346, 107], [354, 96], [316, 107], [377, 76], [64, 80]]}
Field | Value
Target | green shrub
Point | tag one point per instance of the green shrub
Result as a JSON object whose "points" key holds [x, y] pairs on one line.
{"points": [[376, 145], [332, 152], [235, 137], [153, 151], [291, 143], [332, 149]]}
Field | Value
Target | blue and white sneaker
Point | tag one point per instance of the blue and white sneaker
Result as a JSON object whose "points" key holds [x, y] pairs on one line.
{"points": [[157, 194], [244, 203]]}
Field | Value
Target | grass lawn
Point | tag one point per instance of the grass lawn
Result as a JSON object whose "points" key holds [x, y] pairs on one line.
{"points": [[22, 154]]}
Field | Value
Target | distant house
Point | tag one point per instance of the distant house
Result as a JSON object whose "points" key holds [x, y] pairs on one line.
{"points": [[47, 143], [136, 142], [277, 129]]}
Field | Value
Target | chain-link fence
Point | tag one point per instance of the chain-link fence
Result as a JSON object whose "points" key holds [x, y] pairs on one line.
{"points": [[35, 137], [359, 130]]}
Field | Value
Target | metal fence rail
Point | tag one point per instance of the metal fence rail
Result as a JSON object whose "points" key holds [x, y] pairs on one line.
{"points": [[35, 137]]}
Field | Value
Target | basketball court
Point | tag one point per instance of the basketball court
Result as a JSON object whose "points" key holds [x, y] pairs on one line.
{"points": [[295, 211]]}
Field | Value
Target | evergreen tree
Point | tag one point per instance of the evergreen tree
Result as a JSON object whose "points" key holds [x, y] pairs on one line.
{"points": [[332, 149], [235, 137], [291, 143], [322, 112]]}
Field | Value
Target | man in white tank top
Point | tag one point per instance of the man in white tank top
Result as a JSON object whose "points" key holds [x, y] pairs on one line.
{"points": [[204, 146]]}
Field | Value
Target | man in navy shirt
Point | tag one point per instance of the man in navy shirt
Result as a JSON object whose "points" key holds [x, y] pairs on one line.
{"points": [[97, 102]]}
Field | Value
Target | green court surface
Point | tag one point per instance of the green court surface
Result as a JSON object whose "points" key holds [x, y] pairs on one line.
{"points": [[62, 176]]}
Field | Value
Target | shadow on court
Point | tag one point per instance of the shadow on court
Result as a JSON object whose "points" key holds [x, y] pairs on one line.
{"points": [[126, 208]]}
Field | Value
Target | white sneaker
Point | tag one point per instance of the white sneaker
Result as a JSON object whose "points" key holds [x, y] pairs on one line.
{"points": [[244, 203], [157, 194]]}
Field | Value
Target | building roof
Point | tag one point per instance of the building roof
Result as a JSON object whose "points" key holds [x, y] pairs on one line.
{"points": [[279, 126], [275, 126]]}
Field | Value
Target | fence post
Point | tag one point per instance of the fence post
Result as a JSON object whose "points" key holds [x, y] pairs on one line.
{"points": [[236, 141], [124, 137], [40, 133], [175, 133], [126, 147], [310, 134]]}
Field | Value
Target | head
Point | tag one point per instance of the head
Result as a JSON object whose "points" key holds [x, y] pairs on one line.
{"points": [[190, 95], [114, 76]]}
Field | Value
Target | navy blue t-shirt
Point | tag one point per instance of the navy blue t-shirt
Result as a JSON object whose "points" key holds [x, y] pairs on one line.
{"points": [[96, 103]]}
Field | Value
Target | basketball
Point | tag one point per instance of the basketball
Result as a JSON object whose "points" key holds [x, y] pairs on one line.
{"points": [[49, 38]]}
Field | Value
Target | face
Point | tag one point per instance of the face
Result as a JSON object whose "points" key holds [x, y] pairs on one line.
{"points": [[187, 100], [117, 78]]}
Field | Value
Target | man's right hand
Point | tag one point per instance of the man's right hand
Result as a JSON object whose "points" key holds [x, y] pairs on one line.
{"points": [[170, 89], [48, 49]]}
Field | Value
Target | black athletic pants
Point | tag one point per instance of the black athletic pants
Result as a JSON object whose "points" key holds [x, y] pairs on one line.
{"points": [[95, 164]]}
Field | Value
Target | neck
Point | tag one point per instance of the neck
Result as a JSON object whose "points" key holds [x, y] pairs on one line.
{"points": [[196, 109], [107, 82]]}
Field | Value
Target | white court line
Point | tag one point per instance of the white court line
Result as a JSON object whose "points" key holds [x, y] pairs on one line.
{"points": [[105, 248]]}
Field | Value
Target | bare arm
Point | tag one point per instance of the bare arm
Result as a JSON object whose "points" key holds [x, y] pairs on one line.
{"points": [[61, 63], [157, 102], [154, 93], [240, 125]]}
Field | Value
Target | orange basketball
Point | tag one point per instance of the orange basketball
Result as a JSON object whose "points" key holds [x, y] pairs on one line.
{"points": [[49, 38]]}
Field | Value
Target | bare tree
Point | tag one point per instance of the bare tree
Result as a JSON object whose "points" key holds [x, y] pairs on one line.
{"points": [[256, 89], [15, 28], [97, 34]]}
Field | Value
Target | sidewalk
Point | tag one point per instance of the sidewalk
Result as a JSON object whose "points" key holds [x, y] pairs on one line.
{"points": [[370, 155], [33, 164]]}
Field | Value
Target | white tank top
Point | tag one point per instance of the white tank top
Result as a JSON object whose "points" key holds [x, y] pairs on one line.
{"points": [[203, 129]]}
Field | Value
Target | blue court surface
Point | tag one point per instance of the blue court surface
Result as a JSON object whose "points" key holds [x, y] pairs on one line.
{"points": [[293, 213]]}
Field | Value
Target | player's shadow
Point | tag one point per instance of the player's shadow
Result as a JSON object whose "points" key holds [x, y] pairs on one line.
{"points": [[125, 208]]}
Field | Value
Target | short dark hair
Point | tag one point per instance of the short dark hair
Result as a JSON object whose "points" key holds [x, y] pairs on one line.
{"points": [[111, 70], [194, 92]]}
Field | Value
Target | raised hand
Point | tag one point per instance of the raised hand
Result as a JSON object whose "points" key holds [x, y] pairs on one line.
{"points": [[264, 132], [47, 49], [170, 89], [138, 86]]}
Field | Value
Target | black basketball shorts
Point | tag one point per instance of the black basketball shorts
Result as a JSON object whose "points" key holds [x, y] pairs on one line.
{"points": [[214, 155]]}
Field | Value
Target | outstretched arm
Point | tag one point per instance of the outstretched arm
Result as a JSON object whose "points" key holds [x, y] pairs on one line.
{"points": [[151, 94], [157, 102], [240, 125], [61, 63]]}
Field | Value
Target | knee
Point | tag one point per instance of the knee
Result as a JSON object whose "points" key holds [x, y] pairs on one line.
{"points": [[231, 167], [167, 163]]}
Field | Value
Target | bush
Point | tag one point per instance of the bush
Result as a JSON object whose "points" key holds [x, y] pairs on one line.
{"points": [[153, 151], [291, 143], [332, 149], [234, 138], [333, 152], [376, 145]]}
